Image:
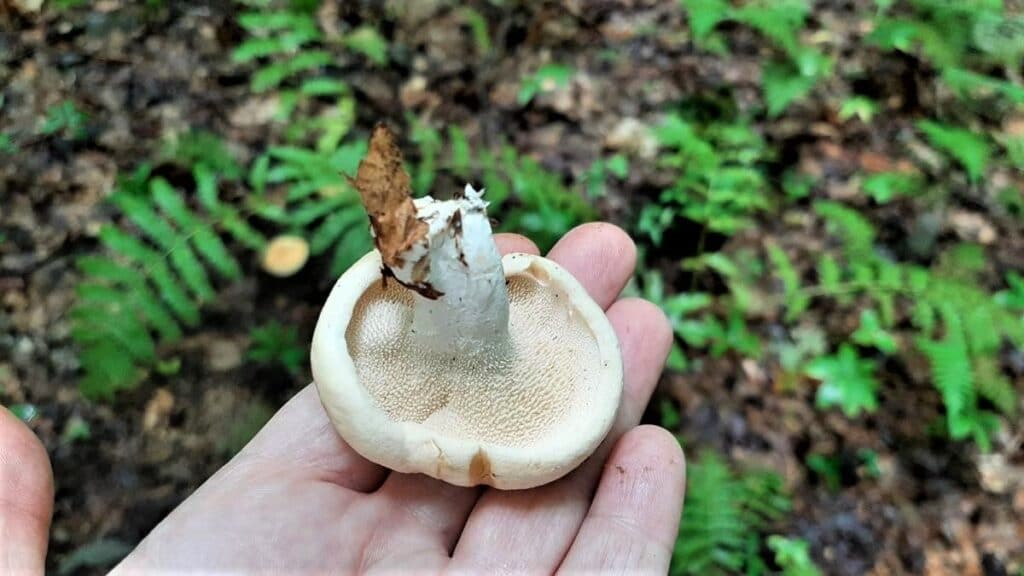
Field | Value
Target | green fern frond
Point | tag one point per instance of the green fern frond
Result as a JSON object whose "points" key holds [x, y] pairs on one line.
{"points": [[333, 227], [159, 272], [855, 231], [354, 245], [204, 239], [950, 362], [797, 299], [170, 241], [149, 287], [320, 204], [726, 514], [994, 386]]}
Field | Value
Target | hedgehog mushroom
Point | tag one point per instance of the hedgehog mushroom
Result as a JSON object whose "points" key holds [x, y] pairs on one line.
{"points": [[434, 354]]}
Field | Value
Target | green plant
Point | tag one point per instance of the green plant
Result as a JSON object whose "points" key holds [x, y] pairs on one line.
{"points": [[847, 381], [1013, 296], [273, 343], [828, 468], [702, 321], [679, 309], [947, 299], [793, 556], [871, 334], [970, 149], [291, 54], [963, 40], [305, 192], [786, 80], [597, 175], [65, 119], [950, 360], [1014, 146], [477, 24], [670, 417], [726, 516], [285, 38], [796, 300], [201, 148], [153, 279], [883, 187], [7, 145], [24, 412], [75, 430], [547, 78], [869, 463], [367, 41], [718, 182], [861, 107]]}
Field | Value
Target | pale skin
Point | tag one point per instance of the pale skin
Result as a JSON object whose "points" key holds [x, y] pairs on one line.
{"points": [[298, 500]]}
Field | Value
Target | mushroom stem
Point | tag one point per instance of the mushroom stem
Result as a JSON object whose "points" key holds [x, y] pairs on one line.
{"points": [[442, 249], [456, 268]]}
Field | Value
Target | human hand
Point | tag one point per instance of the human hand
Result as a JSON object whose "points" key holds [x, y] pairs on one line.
{"points": [[297, 499]]}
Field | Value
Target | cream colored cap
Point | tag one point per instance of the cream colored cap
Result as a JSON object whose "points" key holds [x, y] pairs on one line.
{"points": [[515, 413]]}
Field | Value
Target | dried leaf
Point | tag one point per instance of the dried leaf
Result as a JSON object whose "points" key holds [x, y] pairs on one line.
{"points": [[384, 187]]}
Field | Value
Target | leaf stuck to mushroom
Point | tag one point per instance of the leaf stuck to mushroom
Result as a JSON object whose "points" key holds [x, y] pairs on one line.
{"points": [[384, 187]]}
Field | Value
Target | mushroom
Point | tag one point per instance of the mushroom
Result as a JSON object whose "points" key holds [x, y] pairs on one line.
{"points": [[285, 255], [434, 354]]}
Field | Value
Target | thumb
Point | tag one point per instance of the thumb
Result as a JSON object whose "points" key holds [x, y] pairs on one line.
{"points": [[26, 498]]}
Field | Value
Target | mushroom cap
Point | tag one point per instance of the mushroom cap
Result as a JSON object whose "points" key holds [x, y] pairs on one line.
{"points": [[516, 414], [285, 255]]}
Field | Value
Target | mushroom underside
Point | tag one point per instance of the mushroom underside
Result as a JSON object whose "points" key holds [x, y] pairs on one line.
{"points": [[522, 391]]}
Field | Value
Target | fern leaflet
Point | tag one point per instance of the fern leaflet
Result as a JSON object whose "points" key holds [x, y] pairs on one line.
{"points": [[145, 290]]}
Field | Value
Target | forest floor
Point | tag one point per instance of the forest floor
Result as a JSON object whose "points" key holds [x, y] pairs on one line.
{"points": [[140, 74]]}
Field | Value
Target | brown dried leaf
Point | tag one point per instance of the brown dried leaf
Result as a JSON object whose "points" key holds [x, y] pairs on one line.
{"points": [[387, 195]]}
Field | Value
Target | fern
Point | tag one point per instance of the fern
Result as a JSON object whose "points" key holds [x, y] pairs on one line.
{"points": [[726, 516], [780, 21], [951, 367], [847, 381], [147, 288], [993, 386], [968, 148], [202, 148], [796, 299], [793, 556], [856, 232], [284, 37], [956, 37], [292, 55], [947, 299], [273, 343], [718, 182], [305, 192]]}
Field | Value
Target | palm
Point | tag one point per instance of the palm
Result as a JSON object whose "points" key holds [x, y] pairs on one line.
{"points": [[298, 499]]}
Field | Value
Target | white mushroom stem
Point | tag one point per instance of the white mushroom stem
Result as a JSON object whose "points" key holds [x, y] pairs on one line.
{"points": [[462, 305]]}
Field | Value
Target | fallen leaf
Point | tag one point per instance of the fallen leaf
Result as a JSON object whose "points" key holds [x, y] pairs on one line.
{"points": [[384, 187]]}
